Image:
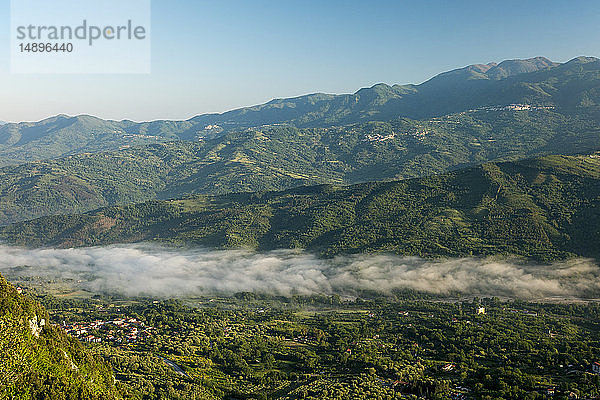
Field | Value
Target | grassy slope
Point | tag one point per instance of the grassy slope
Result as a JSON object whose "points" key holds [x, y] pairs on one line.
{"points": [[49, 366], [543, 208]]}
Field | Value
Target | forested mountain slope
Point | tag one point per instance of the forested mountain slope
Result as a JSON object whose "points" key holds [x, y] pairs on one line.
{"points": [[544, 208], [283, 156]]}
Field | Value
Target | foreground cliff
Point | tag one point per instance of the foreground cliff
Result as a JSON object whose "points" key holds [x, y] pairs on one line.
{"points": [[39, 361]]}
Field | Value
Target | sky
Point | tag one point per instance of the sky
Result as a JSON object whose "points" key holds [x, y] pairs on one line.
{"points": [[214, 56]]}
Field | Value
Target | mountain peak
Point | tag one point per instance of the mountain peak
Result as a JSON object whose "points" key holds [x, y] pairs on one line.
{"points": [[482, 68], [470, 72], [490, 71], [515, 67], [582, 60]]}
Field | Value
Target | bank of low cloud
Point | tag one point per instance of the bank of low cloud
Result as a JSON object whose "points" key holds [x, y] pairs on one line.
{"points": [[142, 269]]}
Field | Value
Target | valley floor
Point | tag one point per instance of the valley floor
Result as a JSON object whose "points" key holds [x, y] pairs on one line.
{"points": [[408, 345]]}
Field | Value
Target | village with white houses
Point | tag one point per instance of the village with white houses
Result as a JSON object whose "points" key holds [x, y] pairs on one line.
{"points": [[119, 330], [496, 108], [420, 132], [514, 107]]}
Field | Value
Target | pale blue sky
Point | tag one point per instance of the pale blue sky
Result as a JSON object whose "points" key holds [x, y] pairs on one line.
{"points": [[219, 55]]}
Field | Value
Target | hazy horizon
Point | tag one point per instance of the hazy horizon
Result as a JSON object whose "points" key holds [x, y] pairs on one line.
{"points": [[215, 57], [159, 118]]}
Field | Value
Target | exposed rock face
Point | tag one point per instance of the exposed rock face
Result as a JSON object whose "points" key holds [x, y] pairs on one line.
{"points": [[37, 327]]}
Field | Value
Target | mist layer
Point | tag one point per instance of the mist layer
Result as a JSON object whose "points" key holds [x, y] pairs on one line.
{"points": [[150, 270]]}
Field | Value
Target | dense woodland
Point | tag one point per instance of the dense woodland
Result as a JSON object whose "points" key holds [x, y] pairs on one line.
{"points": [[541, 208], [281, 157]]}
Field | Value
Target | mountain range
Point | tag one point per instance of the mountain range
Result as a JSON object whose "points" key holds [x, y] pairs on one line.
{"points": [[538, 81], [281, 157], [568, 87], [515, 109]]}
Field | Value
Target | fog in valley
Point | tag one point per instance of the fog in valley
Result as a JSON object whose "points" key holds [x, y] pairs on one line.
{"points": [[152, 270]]}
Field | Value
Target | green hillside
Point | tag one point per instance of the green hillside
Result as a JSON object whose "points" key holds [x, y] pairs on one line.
{"points": [[62, 135], [457, 119], [543, 208], [573, 88], [282, 156], [39, 361]]}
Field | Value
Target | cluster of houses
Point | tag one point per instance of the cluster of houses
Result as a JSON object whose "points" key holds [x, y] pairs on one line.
{"points": [[380, 137], [310, 340], [377, 137], [118, 330], [513, 107], [448, 119], [134, 135], [419, 134], [448, 367]]}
